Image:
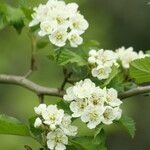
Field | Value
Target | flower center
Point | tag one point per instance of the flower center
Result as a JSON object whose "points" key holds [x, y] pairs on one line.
{"points": [[59, 36], [101, 71], [93, 115], [52, 117]]}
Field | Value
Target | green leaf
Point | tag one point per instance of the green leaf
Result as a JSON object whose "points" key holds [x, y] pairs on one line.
{"points": [[42, 43], [70, 147], [129, 124], [10, 125], [64, 105], [27, 12], [88, 143], [68, 56], [115, 71], [35, 132], [88, 45], [11, 16], [117, 82], [98, 130], [140, 70]]}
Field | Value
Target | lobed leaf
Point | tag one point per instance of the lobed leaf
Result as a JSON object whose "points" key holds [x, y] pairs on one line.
{"points": [[115, 71], [90, 143], [68, 56], [10, 125], [11, 16], [140, 70], [129, 124]]}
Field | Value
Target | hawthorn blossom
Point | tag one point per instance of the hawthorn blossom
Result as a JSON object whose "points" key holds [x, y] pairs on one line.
{"points": [[78, 107], [101, 62], [52, 116], [92, 116], [101, 72], [108, 115], [57, 123], [106, 57], [58, 37], [56, 140], [126, 56], [74, 39], [92, 104], [97, 97], [38, 122], [57, 14], [78, 23], [38, 110], [112, 98], [66, 126]]}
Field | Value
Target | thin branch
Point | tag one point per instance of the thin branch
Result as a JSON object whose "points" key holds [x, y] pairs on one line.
{"points": [[67, 75], [23, 82], [33, 51], [33, 66], [41, 90], [41, 98], [28, 73], [135, 91]]}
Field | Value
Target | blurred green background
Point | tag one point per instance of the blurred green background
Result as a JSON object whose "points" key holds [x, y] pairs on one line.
{"points": [[114, 24]]}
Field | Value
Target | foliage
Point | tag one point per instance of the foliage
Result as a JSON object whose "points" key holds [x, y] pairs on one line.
{"points": [[140, 70], [10, 125], [76, 61], [129, 124]]}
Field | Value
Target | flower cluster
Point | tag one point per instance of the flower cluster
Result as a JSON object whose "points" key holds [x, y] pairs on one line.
{"points": [[60, 22], [103, 60], [93, 104], [57, 123], [128, 55]]}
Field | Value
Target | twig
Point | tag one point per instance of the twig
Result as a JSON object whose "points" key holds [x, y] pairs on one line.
{"points": [[41, 90], [33, 51], [41, 98], [67, 75], [23, 82], [135, 91], [28, 73], [33, 66], [27, 147]]}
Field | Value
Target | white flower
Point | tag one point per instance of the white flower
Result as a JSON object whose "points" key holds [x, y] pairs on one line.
{"points": [[142, 55], [92, 60], [38, 122], [74, 39], [80, 90], [106, 57], [52, 116], [118, 113], [109, 115], [57, 14], [66, 126], [101, 72], [58, 37], [78, 23], [69, 96], [93, 53], [92, 116], [112, 98], [56, 140], [126, 56], [78, 106], [72, 9], [38, 110], [84, 89], [47, 28], [97, 97]]}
